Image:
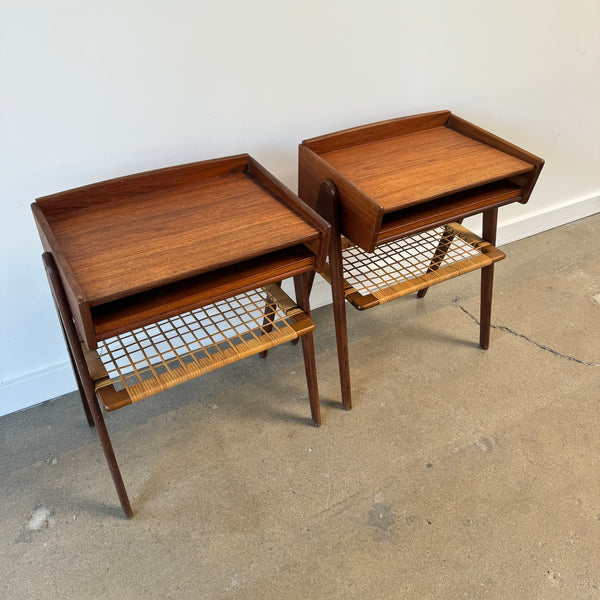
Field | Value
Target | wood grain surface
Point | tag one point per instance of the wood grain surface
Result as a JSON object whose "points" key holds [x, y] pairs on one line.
{"points": [[124, 246], [410, 169], [114, 318]]}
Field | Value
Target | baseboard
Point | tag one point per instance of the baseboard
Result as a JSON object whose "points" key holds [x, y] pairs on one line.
{"points": [[51, 382], [35, 388], [546, 219]]}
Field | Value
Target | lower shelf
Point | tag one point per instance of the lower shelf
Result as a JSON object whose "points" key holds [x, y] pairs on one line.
{"points": [[412, 263], [153, 358]]}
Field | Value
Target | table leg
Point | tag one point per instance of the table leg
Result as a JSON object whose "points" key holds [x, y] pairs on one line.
{"points": [[308, 348], [270, 308], [490, 220], [85, 379], [439, 255], [86, 408], [310, 276], [310, 281], [328, 205]]}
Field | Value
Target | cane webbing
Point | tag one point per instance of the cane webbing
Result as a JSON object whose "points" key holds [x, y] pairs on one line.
{"points": [[153, 358], [412, 263]]}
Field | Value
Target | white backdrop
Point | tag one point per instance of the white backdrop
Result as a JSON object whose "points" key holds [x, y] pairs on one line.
{"points": [[97, 89]]}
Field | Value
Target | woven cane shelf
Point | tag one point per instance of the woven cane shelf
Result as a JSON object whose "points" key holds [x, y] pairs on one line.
{"points": [[410, 264], [156, 357]]}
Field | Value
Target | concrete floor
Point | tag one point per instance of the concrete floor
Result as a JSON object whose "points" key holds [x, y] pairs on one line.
{"points": [[458, 474]]}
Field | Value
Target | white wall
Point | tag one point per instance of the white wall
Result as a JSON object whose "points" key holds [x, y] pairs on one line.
{"points": [[96, 89]]}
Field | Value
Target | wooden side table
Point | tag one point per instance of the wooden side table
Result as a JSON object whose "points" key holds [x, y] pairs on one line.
{"points": [[162, 276], [396, 193]]}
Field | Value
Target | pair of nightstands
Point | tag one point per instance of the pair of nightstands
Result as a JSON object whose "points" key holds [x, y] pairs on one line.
{"points": [[163, 276]]}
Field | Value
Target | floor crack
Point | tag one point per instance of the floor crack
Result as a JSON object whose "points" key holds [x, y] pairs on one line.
{"points": [[540, 346]]}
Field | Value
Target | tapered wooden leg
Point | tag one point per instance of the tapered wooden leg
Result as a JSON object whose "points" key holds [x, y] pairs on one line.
{"points": [[308, 349], [85, 380], [268, 321], [310, 278], [490, 219], [329, 208], [106, 444], [86, 408], [339, 315], [269, 317], [439, 255]]}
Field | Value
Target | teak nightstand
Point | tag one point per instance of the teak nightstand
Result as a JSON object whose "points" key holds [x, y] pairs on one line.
{"points": [[162, 276], [396, 193]]}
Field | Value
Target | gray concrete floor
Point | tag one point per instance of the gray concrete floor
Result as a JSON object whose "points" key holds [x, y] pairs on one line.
{"points": [[458, 474]]}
